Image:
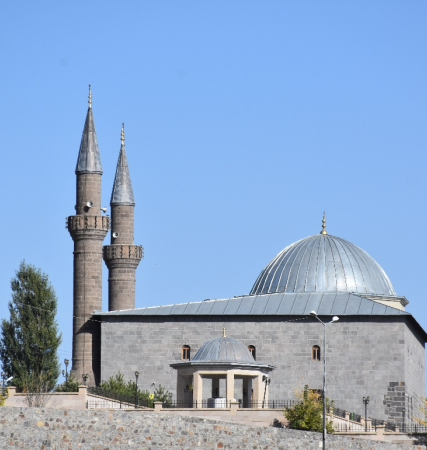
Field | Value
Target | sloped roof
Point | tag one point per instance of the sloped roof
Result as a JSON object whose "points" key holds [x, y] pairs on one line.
{"points": [[328, 303]]}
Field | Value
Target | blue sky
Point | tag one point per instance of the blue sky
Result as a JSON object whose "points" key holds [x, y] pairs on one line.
{"points": [[244, 121]]}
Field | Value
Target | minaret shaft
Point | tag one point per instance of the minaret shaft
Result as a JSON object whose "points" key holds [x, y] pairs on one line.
{"points": [[88, 229], [122, 256], [88, 189]]}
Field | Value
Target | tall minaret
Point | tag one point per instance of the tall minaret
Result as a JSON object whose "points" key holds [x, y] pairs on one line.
{"points": [[88, 229], [122, 256]]}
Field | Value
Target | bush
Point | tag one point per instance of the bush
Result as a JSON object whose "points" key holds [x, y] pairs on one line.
{"points": [[72, 385], [162, 395], [4, 394], [307, 413], [117, 384]]}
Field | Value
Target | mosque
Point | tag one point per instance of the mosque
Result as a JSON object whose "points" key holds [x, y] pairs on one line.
{"points": [[249, 347]]}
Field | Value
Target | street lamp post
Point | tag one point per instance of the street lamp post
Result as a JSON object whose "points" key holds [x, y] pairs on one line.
{"points": [[366, 401], [334, 319], [267, 381], [66, 362], [136, 388]]}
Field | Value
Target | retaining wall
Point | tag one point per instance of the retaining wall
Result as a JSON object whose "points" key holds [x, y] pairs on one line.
{"points": [[29, 428]]}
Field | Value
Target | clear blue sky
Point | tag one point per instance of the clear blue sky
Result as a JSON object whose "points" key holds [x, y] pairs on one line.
{"points": [[244, 121]]}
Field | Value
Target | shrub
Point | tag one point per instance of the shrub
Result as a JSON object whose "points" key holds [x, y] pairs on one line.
{"points": [[307, 413]]}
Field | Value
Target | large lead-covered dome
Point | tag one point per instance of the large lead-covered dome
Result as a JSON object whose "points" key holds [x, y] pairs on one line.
{"points": [[323, 263]]}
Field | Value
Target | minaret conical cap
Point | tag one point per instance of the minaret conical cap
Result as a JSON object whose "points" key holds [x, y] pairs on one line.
{"points": [[89, 160], [122, 190]]}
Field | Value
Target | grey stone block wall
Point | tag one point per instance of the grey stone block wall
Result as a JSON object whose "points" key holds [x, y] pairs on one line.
{"points": [[364, 354], [33, 428]]}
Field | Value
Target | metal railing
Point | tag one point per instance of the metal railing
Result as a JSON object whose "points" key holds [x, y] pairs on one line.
{"points": [[270, 404], [102, 403], [410, 428], [121, 398], [338, 412], [195, 404], [352, 427]]}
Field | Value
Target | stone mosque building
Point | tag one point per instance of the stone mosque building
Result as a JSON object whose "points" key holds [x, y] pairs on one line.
{"points": [[224, 348]]}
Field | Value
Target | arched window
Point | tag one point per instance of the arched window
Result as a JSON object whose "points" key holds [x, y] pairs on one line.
{"points": [[315, 353], [186, 352], [252, 349]]}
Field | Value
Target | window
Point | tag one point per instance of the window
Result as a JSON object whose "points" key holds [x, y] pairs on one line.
{"points": [[186, 352], [315, 353], [252, 349]]}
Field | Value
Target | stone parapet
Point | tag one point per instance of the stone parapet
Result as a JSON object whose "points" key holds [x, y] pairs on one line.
{"points": [[88, 227], [122, 255]]}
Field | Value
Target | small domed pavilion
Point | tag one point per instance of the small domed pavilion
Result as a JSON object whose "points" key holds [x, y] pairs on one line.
{"points": [[222, 370]]}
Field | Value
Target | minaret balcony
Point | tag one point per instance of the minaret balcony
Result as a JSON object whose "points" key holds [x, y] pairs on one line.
{"points": [[91, 227], [122, 254]]}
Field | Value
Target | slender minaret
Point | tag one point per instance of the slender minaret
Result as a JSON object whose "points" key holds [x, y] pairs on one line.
{"points": [[122, 256], [88, 229]]}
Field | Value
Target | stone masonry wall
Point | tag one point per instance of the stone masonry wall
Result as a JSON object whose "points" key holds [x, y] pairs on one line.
{"points": [[33, 429], [363, 355], [414, 374]]}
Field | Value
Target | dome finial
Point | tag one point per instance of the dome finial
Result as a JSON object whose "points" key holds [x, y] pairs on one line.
{"points": [[90, 97], [223, 332], [324, 224], [122, 138]]}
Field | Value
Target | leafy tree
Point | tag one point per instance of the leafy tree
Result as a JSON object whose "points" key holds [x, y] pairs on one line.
{"points": [[29, 340], [423, 411], [307, 413], [72, 385]]}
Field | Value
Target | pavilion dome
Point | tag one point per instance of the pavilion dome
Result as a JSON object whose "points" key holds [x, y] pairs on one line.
{"points": [[225, 350], [323, 263]]}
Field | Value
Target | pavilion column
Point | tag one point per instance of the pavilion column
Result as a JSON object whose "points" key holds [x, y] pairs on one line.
{"points": [[198, 389], [247, 387], [258, 390], [180, 386], [230, 386]]}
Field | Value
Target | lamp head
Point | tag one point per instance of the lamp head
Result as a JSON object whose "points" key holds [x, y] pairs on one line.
{"points": [[313, 313], [335, 319]]}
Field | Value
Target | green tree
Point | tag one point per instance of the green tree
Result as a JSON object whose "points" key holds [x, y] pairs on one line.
{"points": [[306, 414], [29, 340], [162, 395], [72, 385]]}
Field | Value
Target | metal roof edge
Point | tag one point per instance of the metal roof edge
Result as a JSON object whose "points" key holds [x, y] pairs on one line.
{"points": [[220, 363], [157, 309]]}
